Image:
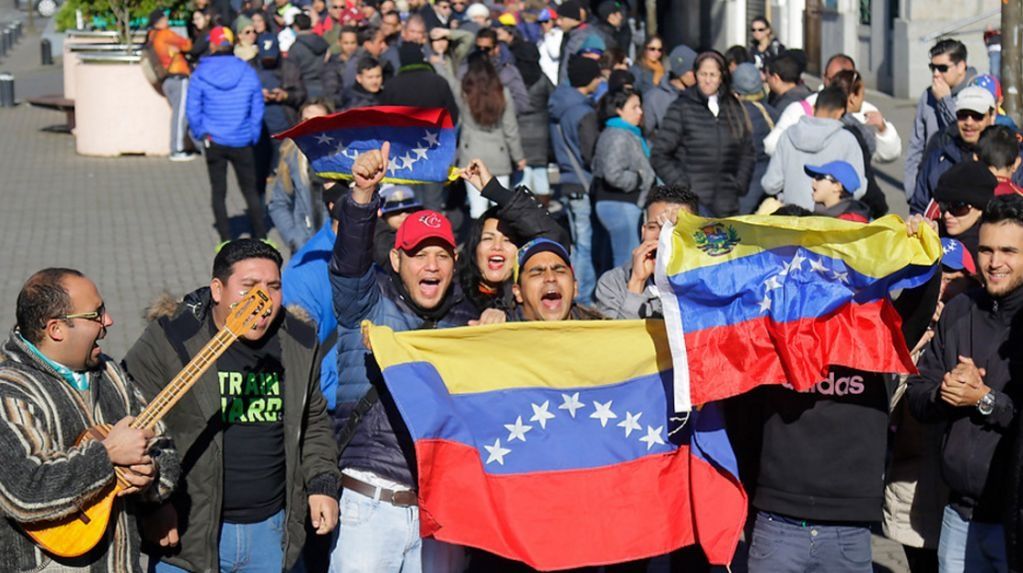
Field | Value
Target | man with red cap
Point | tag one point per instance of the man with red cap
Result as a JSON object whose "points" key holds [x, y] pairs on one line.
{"points": [[379, 529]]}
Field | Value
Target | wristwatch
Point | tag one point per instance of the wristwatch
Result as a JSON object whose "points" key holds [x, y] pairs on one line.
{"points": [[986, 404]]}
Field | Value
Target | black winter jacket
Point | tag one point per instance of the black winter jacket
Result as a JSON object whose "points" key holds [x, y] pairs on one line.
{"points": [[308, 53], [874, 199], [419, 85], [975, 451], [164, 348], [713, 155]]}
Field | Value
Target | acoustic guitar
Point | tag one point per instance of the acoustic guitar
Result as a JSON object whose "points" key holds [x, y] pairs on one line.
{"points": [[77, 534]]}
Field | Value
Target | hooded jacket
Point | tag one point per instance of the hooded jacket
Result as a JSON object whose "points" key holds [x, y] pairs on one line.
{"points": [[419, 85], [656, 100], [613, 299], [707, 152], [362, 291], [812, 141], [574, 133], [167, 344], [225, 101], [308, 53], [976, 451]]}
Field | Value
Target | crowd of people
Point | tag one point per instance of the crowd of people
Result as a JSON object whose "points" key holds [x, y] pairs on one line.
{"points": [[579, 140]]}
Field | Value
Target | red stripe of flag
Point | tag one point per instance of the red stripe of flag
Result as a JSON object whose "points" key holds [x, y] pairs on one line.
{"points": [[730, 360], [377, 116]]}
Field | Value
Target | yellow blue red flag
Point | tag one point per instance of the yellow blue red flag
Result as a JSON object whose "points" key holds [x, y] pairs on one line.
{"points": [[552, 443], [770, 300]]}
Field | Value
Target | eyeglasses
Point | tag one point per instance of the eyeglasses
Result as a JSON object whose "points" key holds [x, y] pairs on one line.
{"points": [[758, 29], [95, 316], [965, 114], [955, 208], [938, 68], [824, 177], [337, 7], [484, 48], [248, 31], [654, 49]]}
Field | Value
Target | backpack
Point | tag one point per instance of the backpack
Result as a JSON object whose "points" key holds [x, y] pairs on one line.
{"points": [[152, 68]]}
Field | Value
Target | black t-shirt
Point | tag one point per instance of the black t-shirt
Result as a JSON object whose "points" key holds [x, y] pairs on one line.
{"points": [[251, 378]]}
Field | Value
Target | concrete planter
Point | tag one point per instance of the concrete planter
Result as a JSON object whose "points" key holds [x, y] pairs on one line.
{"points": [[116, 109]]}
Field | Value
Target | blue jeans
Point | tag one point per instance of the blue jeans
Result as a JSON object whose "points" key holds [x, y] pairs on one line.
{"points": [[622, 223], [245, 548], [783, 547], [970, 547], [376, 537], [579, 213]]}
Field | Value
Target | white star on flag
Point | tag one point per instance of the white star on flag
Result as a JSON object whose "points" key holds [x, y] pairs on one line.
{"points": [[784, 269], [392, 165], [603, 413], [420, 153], [772, 283], [841, 277], [407, 161], [517, 431], [541, 415], [432, 139], [765, 305], [341, 149], [817, 265], [797, 262], [324, 139], [497, 453], [653, 436], [571, 403], [630, 423]]}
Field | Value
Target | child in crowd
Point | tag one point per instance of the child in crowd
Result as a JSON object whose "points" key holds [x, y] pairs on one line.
{"points": [[998, 148], [833, 186]]}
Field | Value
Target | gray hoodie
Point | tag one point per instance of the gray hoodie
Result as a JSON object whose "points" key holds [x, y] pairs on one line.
{"points": [[812, 141]]}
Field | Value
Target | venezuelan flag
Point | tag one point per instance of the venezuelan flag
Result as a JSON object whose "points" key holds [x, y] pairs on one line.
{"points": [[552, 443], [770, 300], [422, 142]]}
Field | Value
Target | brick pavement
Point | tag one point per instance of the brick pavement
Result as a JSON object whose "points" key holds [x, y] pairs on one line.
{"points": [[141, 226]]}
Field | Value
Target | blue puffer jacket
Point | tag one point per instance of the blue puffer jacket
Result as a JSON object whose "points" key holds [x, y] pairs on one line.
{"points": [[363, 291], [225, 101]]}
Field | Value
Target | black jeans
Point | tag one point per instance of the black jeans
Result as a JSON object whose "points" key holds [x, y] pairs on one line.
{"points": [[244, 162]]}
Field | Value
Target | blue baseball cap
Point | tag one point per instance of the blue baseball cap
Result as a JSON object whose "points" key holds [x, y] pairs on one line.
{"points": [[542, 245], [955, 256], [840, 170], [399, 198]]}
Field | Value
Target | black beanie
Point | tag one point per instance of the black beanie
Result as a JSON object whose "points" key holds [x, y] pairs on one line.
{"points": [[410, 53], [570, 9], [970, 182], [155, 16], [582, 71]]}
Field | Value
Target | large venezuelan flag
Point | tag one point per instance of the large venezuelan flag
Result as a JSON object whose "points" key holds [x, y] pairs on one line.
{"points": [[422, 142], [769, 300], [551, 443]]}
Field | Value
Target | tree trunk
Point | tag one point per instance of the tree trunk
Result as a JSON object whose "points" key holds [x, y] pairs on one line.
{"points": [[651, 18], [1012, 11]]}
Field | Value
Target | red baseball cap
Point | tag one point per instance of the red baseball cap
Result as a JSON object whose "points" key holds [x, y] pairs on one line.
{"points": [[423, 225]]}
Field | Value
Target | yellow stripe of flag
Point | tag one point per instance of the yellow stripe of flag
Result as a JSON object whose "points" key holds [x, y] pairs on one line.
{"points": [[877, 249], [559, 355]]}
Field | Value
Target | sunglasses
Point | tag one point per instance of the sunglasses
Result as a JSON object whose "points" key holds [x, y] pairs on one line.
{"points": [[938, 68], [955, 208], [95, 316], [965, 114], [758, 29], [485, 48], [824, 177], [654, 49]]}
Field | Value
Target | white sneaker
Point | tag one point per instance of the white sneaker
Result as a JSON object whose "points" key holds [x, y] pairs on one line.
{"points": [[182, 156]]}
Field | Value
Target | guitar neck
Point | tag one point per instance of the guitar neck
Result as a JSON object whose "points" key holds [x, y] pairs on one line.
{"points": [[189, 375]]}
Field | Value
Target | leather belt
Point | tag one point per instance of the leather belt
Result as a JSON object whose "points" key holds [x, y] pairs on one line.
{"points": [[404, 498]]}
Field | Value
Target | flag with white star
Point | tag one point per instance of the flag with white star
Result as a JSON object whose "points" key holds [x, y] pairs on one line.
{"points": [[422, 142], [554, 443], [776, 300]]}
